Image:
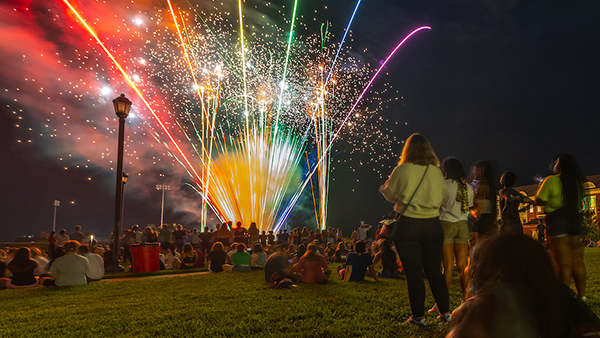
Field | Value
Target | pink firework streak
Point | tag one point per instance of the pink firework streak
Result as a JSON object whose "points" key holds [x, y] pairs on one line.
{"points": [[297, 196], [371, 82]]}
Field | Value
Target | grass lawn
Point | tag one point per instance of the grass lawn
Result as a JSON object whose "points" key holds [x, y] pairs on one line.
{"points": [[227, 305]]}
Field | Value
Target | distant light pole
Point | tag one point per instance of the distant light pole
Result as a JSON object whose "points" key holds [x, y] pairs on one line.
{"points": [[162, 187], [56, 204], [122, 106]]}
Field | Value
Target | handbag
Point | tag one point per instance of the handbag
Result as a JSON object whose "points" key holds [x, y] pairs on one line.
{"points": [[388, 231]]}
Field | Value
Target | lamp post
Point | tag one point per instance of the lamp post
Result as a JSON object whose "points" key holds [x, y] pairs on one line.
{"points": [[122, 106], [162, 187], [56, 204]]}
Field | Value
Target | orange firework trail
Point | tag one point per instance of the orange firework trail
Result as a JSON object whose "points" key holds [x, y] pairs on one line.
{"points": [[135, 88]]}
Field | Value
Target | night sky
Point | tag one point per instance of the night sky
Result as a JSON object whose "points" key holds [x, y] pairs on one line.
{"points": [[515, 82]]}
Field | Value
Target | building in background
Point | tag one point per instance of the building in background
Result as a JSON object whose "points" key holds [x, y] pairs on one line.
{"points": [[531, 214]]}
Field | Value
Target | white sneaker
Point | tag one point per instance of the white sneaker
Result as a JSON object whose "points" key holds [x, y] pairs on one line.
{"points": [[445, 317], [421, 323]]}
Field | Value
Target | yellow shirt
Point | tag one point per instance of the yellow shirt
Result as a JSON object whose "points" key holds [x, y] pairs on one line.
{"points": [[551, 192]]}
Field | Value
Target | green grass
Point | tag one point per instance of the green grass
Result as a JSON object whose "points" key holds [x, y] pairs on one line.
{"points": [[227, 305]]}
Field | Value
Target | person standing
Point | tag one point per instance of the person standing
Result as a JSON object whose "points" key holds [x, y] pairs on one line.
{"points": [[254, 233], [206, 241], [223, 235], [77, 235], [355, 235], [164, 236], [510, 199], [128, 241], [561, 197], [239, 234], [419, 237], [178, 237], [484, 208], [52, 243], [62, 237], [541, 229], [362, 231], [195, 240], [137, 234], [453, 216]]}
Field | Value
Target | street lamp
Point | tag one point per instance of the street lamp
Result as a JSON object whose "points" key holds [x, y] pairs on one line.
{"points": [[162, 187], [56, 204], [122, 107]]}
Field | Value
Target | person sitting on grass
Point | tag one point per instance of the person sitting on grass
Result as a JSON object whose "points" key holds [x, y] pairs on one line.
{"points": [[329, 252], [320, 248], [172, 260], [341, 253], [357, 264], [240, 260], [59, 251], [21, 268], [312, 267], [216, 257], [517, 294], [291, 253], [258, 257], [36, 255], [232, 250], [188, 257], [96, 263], [277, 265], [70, 269], [300, 252], [388, 258], [200, 258]]}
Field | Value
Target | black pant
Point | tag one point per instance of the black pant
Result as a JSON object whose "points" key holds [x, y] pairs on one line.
{"points": [[419, 243]]}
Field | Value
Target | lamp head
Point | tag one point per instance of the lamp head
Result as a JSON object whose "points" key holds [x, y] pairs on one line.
{"points": [[122, 106]]}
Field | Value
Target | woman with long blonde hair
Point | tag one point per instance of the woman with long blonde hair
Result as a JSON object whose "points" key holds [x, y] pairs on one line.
{"points": [[417, 188]]}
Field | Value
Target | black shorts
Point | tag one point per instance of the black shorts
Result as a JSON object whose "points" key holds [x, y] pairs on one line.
{"points": [[564, 221]]}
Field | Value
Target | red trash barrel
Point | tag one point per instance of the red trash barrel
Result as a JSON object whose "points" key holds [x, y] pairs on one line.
{"points": [[145, 257]]}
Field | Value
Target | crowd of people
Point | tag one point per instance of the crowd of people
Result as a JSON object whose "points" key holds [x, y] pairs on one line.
{"points": [[68, 264], [237, 249], [443, 217], [509, 286], [76, 259]]}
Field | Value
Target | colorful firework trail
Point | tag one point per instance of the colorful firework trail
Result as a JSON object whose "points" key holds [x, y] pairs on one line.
{"points": [[248, 114]]}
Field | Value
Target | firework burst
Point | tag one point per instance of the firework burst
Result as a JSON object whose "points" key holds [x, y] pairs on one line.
{"points": [[249, 111]]}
